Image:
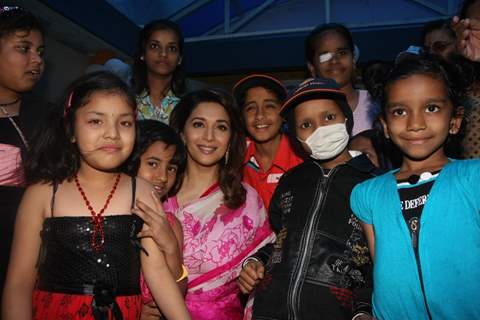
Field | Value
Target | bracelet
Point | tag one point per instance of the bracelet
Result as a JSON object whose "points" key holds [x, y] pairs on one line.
{"points": [[358, 315], [184, 274], [246, 261]]}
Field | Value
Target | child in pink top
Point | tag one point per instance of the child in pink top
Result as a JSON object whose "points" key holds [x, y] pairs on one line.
{"points": [[158, 157]]}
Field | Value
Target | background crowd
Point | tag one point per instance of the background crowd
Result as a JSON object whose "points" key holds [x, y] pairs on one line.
{"points": [[138, 195]]}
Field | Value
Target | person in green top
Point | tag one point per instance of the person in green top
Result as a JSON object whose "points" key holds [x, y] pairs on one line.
{"points": [[158, 75]]}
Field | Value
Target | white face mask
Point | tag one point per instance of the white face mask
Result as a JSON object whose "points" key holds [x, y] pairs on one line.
{"points": [[328, 141]]}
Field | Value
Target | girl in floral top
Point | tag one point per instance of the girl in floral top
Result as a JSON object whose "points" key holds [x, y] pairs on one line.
{"points": [[158, 73]]}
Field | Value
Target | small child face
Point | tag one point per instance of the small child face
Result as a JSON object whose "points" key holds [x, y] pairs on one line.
{"points": [[364, 145], [261, 114], [312, 114], [155, 167], [104, 131], [418, 116]]}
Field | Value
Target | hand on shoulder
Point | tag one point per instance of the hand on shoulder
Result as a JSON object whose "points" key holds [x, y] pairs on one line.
{"points": [[156, 225]]}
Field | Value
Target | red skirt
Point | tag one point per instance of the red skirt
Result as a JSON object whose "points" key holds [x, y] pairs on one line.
{"points": [[50, 305]]}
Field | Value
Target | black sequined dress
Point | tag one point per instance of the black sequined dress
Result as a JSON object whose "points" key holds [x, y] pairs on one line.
{"points": [[75, 279]]}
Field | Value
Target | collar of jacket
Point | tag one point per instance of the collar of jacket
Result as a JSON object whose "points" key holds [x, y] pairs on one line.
{"points": [[362, 164]]}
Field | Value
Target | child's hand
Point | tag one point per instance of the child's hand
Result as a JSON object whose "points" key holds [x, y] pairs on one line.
{"points": [[468, 37], [156, 225], [250, 276], [150, 311]]}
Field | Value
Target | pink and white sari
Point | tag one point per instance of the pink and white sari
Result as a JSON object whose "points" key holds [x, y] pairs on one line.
{"points": [[216, 241]]}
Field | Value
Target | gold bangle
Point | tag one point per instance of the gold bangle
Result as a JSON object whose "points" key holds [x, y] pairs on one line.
{"points": [[184, 274]]}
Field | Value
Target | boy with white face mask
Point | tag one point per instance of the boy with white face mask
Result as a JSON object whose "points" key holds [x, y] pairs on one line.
{"points": [[319, 267]]}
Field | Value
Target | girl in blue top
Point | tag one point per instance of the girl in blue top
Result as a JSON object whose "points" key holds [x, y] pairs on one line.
{"points": [[422, 221]]}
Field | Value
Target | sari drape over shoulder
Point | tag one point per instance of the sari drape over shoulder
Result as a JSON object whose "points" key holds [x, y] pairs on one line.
{"points": [[216, 241]]}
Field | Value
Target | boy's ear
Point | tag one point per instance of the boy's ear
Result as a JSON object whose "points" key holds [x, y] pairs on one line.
{"points": [[456, 121], [311, 69], [385, 128]]}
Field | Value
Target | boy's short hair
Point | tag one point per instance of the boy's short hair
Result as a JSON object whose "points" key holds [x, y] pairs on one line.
{"points": [[258, 80], [15, 18], [319, 88]]}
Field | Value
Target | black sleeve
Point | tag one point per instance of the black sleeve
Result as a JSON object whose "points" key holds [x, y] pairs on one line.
{"points": [[363, 302], [275, 218]]}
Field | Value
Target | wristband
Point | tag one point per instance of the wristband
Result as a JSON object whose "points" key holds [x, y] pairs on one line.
{"points": [[184, 274]]}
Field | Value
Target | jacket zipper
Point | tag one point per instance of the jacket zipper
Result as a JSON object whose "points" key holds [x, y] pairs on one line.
{"points": [[293, 304]]}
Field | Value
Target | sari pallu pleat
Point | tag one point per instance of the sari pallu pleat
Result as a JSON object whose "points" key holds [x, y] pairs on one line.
{"points": [[216, 241]]}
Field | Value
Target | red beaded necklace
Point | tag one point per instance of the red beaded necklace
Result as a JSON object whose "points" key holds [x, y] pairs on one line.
{"points": [[97, 218]]}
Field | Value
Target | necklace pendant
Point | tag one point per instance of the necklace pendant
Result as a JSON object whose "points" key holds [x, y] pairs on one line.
{"points": [[97, 219]]}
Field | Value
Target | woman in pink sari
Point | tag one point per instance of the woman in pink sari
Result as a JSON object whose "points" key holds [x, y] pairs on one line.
{"points": [[223, 220]]}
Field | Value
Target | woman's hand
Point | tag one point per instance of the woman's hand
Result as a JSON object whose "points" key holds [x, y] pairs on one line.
{"points": [[468, 37], [250, 276], [156, 226], [169, 238]]}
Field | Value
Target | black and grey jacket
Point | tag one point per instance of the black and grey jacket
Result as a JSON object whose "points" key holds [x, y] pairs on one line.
{"points": [[319, 266]]}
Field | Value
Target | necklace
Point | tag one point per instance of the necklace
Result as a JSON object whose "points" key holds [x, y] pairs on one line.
{"points": [[15, 125], [97, 218]]}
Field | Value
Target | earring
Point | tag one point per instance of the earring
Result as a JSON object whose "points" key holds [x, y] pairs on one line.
{"points": [[142, 58], [227, 155]]}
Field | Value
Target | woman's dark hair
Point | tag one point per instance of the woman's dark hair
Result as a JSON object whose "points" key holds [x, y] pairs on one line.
{"points": [[149, 132], [140, 82], [230, 175], [53, 156], [441, 24], [14, 18], [437, 68], [316, 33], [465, 7]]}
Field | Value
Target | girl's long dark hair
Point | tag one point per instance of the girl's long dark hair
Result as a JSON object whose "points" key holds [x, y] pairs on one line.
{"points": [[230, 175], [140, 82], [149, 132], [53, 156]]}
